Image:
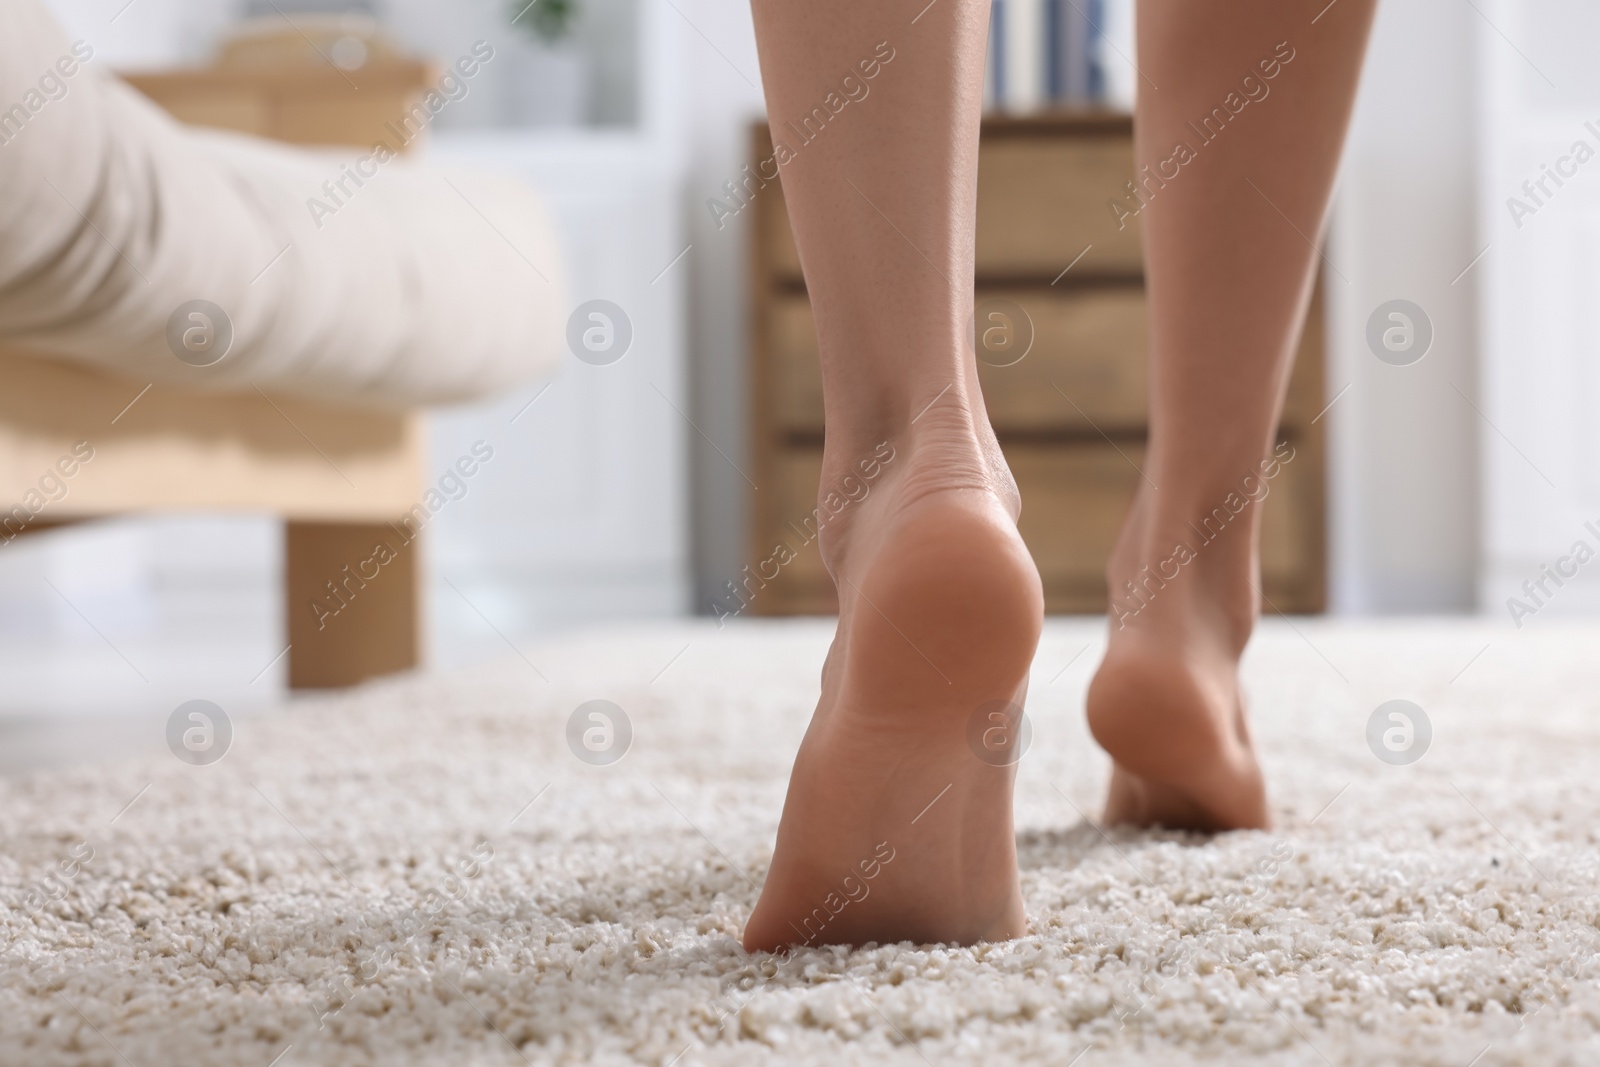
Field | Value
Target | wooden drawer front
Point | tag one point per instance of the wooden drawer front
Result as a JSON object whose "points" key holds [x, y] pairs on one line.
{"points": [[1074, 501], [1090, 344], [1304, 403], [1086, 367], [1040, 203], [795, 380], [789, 489]]}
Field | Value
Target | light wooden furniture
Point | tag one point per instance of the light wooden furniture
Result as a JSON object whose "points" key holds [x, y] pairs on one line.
{"points": [[1070, 415], [343, 479], [281, 86]]}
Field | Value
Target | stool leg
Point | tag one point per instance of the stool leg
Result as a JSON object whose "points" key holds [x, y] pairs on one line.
{"points": [[351, 602]]}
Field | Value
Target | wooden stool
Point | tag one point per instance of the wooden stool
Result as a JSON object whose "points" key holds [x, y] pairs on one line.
{"points": [[343, 479]]}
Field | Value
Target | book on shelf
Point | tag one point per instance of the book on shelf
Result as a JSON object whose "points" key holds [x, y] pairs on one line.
{"points": [[1046, 53]]}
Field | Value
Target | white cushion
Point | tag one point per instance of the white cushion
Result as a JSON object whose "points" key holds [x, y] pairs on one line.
{"points": [[422, 286]]}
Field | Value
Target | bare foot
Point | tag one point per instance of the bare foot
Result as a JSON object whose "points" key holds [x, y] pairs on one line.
{"points": [[894, 829], [1166, 702]]}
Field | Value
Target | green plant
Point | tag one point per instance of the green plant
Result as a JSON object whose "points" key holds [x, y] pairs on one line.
{"points": [[548, 20]]}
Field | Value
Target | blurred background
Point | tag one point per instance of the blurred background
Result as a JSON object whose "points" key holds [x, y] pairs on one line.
{"points": [[1437, 480]]}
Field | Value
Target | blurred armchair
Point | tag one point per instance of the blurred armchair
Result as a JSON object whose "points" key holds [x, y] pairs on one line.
{"points": [[197, 320]]}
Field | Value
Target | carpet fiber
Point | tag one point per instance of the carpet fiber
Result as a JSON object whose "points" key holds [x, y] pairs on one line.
{"points": [[423, 872]]}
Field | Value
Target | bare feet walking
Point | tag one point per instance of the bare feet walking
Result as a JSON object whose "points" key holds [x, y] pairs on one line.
{"points": [[894, 828], [1229, 265]]}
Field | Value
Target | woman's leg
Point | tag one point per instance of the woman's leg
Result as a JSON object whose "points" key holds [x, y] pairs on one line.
{"points": [[1229, 266], [894, 827]]}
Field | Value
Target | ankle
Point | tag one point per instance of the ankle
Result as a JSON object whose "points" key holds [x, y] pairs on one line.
{"points": [[944, 447], [942, 440], [1168, 580]]}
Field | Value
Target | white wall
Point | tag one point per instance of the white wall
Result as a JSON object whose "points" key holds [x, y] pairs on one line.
{"points": [[1403, 490], [1541, 99], [582, 513], [146, 34], [722, 99]]}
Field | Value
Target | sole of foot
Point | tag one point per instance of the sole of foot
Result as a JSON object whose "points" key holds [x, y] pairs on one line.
{"points": [[895, 827]]}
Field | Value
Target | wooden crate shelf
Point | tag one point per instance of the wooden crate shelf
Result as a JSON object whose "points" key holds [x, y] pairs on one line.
{"points": [[1043, 186]]}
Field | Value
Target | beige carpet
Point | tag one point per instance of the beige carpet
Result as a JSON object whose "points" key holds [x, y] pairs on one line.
{"points": [[422, 872]]}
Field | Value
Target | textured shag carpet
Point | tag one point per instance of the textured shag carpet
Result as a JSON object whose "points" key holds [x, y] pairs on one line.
{"points": [[423, 872]]}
